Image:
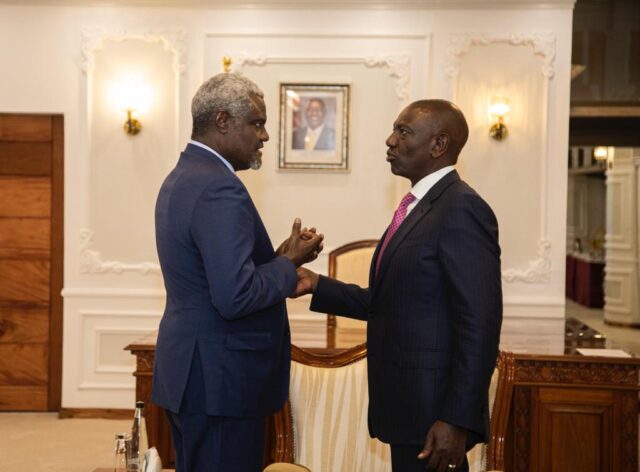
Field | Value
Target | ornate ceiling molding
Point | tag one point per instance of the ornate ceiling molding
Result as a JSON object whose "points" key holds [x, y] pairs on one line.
{"points": [[93, 39], [399, 68], [543, 44], [314, 4]]}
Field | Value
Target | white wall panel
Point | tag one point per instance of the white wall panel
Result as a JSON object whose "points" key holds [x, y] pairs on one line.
{"points": [[384, 73]]}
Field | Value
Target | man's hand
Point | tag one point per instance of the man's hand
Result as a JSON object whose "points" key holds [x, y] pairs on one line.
{"points": [[302, 246], [307, 282], [445, 445]]}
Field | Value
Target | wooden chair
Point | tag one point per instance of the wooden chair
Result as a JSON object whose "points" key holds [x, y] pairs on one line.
{"points": [[323, 426], [491, 457], [349, 263]]}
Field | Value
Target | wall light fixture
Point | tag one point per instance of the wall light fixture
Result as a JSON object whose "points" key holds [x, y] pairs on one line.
{"points": [[131, 94], [498, 108]]}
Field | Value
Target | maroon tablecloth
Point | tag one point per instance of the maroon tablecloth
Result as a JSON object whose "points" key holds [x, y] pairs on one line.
{"points": [[584, 282]]}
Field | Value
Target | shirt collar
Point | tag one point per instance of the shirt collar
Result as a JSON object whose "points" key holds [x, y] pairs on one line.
{"points": [[215, 153], [425, 184]]}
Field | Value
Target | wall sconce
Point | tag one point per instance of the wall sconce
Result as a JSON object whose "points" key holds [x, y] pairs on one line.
{"points": [[132, 126], [498, 108], [600, 153], [604, 155], [226, 63], [131, 94]]}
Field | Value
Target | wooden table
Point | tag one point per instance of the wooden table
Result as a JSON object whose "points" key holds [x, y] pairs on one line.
{"points": [[578, 413], [158, 432]]}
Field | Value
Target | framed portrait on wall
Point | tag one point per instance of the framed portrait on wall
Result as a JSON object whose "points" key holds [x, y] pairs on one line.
{"points": [[314, 126]]}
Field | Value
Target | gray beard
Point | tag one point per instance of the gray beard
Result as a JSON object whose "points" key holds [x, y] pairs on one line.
{"points": [[255, 163]]}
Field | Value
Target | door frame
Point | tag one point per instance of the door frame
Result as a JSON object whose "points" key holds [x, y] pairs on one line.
{"points": [[54, 397]]}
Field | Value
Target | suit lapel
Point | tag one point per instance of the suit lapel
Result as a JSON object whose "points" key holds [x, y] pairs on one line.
{"points": [[372, 268], [422, 208]]}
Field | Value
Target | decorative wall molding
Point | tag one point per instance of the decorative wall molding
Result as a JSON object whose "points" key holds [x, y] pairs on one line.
{"points": [[538, 271], [531, 300], [399, 66], [93, 39], [107, 386], [97, 323], [620, 191], [618, 282], [91, 260], [543, 44], [121, 313]]}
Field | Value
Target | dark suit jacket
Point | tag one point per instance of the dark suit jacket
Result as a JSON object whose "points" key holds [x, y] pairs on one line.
{"points": [[325, 142], [225, 293], [434, 313]]}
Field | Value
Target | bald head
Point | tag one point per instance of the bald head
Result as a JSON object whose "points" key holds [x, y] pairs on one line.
{"points": [[445, 117], [427, 136]]}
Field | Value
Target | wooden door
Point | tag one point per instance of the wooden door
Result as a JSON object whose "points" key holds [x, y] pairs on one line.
{"points": [[31, 255]]}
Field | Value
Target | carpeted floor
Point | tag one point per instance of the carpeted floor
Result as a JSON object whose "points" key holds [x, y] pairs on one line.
{"points": [[40, 442]]}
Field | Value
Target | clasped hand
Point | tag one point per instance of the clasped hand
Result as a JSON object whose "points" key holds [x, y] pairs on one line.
{"points": [[302, 246]]}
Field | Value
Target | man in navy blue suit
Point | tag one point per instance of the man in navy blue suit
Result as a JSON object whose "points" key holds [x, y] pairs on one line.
{"points": [[223, 350], [434, 303]]}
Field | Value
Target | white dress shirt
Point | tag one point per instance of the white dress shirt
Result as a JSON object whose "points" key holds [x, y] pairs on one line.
{"points": [[425, 184], [215, 153]]}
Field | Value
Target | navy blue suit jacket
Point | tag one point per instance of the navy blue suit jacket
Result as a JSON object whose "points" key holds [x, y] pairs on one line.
{"points": [[225, 293], [434, 313]]}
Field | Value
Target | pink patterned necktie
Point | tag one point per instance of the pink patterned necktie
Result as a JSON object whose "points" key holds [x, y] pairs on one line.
{"points": [[398, 218]]}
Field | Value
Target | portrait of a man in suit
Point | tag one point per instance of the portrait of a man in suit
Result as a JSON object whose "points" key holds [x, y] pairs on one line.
{"points": [[317, 134]]}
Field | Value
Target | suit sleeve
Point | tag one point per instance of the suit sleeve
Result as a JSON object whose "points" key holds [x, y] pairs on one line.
{"points": [[470, 257], [223, 228], [338, 298]]}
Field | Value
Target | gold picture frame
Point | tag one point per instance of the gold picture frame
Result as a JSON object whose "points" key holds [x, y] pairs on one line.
{"points": [[314, 126]]}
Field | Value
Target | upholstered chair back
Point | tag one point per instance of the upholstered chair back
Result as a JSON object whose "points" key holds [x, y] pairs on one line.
{"points": [[349, 263], [323, 427]]}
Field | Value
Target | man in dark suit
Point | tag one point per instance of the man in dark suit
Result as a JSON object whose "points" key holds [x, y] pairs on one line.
{"points": [[317, 135], [223, 349], [434, 302]]}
